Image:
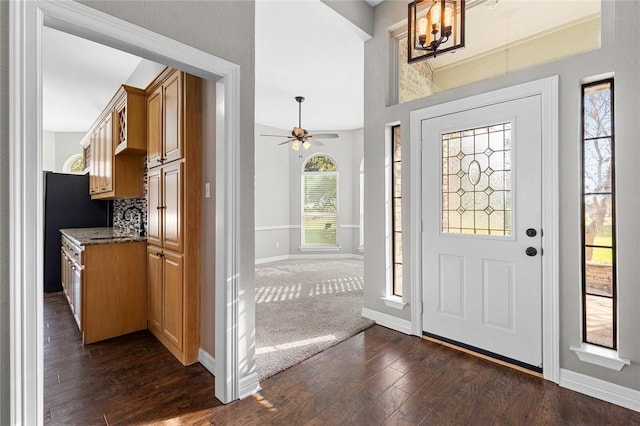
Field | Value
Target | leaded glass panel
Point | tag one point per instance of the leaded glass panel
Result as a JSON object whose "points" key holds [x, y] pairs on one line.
{"points": [[476, 181]]}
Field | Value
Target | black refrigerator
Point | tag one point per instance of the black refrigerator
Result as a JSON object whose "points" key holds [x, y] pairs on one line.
{"points": [[67, 204]]}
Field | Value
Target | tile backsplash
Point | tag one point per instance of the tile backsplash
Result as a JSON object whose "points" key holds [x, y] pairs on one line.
{"points": [[130, 223]]}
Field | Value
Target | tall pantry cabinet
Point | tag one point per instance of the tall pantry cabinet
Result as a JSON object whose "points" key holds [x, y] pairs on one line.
{"points": [[174, 133]]}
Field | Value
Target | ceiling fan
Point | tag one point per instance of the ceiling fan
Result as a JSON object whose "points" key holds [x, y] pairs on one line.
{"points": [[301, 137]]}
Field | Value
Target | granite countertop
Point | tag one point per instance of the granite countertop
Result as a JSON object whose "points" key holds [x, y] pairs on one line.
{"points": [[96, 236]]}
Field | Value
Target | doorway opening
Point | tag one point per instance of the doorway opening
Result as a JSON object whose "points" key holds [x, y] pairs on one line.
{"points": [[26, 189]]}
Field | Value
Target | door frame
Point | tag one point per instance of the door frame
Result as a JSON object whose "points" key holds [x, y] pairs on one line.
{"points": [[26, 19], [547, 88]]}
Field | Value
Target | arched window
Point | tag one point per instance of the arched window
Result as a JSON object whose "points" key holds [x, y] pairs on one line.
{"points": [[74, 164], [319, 201]]}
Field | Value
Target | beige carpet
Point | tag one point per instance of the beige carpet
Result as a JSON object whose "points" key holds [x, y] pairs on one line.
{"points": [[304, 307]]}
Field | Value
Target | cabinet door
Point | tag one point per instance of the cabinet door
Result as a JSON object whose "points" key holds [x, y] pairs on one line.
{"points": [[154, 207], [154, 288], [77, 294], [172, 187], [172, 295], [172, 99], [154, 128], [107, 130], [93, 165], [100, 167]]}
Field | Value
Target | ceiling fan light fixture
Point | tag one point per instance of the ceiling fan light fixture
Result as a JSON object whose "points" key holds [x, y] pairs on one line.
{"points": [[300, 136]]}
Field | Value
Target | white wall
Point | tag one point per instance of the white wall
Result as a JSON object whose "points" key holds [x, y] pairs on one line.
{"points": [[48, 151], [619, 54], [57, 147], [278, 191]]}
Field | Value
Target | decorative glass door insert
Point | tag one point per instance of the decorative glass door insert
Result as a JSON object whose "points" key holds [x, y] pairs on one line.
{"points": [[476, 181]]}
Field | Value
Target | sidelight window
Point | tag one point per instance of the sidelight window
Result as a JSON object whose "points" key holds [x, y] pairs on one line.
{"points": [[598, 215], [396, 177]]}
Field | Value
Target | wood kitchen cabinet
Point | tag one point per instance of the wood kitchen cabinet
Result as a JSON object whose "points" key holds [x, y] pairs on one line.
{"points": [[71, 270], [173, 201], [165, 299], [116, 144], [169, 103], [165, 199], [105, 287]]}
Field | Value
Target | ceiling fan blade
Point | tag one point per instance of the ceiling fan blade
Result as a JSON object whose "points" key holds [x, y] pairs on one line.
{"points": [[316, 143], [278, 136], [287, 141], [326, 136]]}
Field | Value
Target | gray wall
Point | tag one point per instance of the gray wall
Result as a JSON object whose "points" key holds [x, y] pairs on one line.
{"points": [[208, 220], [620, 44], [278, 191], [4, 213], [272, 193], [358, 12]]}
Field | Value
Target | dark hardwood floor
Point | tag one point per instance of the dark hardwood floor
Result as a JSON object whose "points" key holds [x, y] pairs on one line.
{"points": [[377, 377]]}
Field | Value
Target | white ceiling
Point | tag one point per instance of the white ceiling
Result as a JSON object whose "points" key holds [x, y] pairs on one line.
{"points": [[304, 48], [79, 79]]}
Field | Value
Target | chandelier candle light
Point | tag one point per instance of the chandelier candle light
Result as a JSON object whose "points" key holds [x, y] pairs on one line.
{"points": [[435, 26]]}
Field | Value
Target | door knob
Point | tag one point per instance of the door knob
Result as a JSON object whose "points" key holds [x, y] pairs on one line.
{"points": [[531, 251], [531, 232]]}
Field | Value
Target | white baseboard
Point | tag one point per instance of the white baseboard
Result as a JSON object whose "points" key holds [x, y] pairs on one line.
{"points": [[249, 385], [389, 321], [309, 256], [207, 361], [272, 259], [606, 391]]}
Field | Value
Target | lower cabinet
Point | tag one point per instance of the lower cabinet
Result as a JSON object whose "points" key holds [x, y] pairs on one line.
{"points": [[168, 317], [105, 287]]}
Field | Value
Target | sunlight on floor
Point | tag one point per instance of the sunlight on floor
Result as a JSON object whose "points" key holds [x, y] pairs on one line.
{"points": [[292, 292], [262, 401], [188, 418], [296, 344]]}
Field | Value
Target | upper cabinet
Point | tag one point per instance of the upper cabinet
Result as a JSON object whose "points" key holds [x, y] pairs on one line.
{"points": [[168, 100], [129, 121], [115, 147]]}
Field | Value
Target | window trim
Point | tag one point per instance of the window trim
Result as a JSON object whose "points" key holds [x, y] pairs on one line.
{"points": [[361, 207], [389, 299], [584, 348], [319, 247]]}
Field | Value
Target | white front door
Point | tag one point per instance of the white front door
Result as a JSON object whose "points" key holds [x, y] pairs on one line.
{"points": [[481, 241]]}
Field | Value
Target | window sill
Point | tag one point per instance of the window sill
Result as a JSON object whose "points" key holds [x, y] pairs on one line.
{"points": [[597, 355], [319, 248], [394, 302], [361, 249]]}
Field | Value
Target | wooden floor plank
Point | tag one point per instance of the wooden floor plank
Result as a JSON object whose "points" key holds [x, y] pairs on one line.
{"points": [[377, 377]]}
